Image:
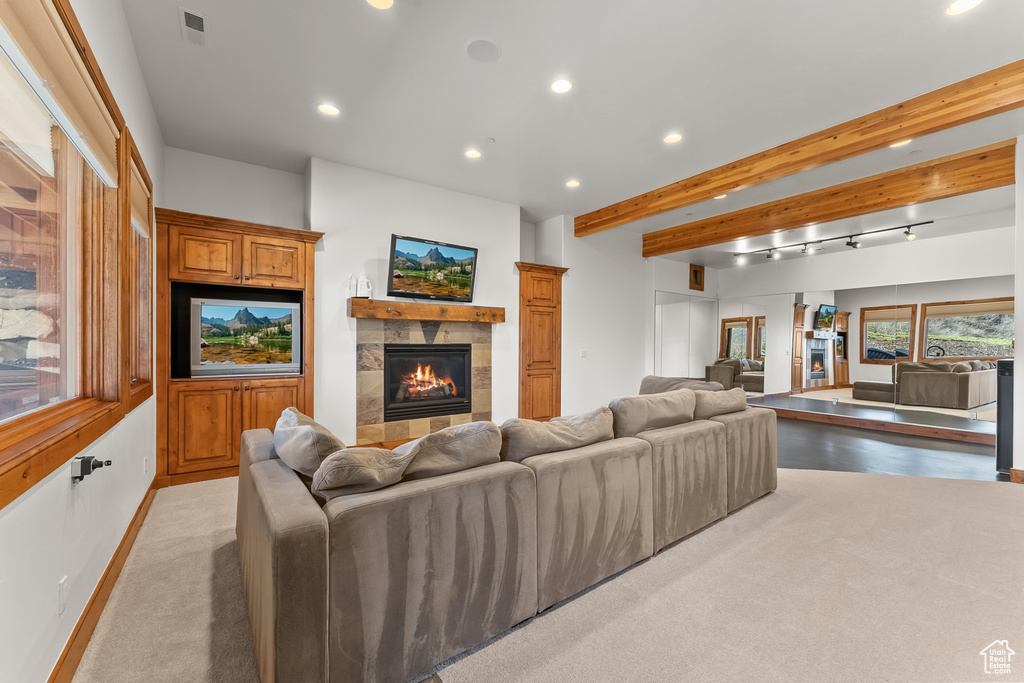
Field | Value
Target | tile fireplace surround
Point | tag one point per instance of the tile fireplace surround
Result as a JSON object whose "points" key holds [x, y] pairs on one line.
{"points": [[372, 335]]}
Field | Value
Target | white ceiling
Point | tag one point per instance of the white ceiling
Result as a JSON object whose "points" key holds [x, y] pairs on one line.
{"points": [[735, 77]]}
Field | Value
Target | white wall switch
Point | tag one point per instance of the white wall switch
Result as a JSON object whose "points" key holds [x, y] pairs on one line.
{"points": [[583, 353]]}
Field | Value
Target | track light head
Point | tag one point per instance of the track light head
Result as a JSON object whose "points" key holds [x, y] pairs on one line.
{"points": [[775, 254], [740, 259], [908, 233], [852, 243]]}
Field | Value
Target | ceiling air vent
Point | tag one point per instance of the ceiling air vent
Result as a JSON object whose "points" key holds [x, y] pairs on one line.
{"points": [[193, 27]]}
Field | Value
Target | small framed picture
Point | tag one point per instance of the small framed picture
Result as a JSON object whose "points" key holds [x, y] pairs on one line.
{"points": [[697, 277], [840, 347]]}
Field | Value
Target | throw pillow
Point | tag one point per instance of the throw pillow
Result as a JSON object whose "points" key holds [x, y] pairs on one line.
{"points": [[962, 367], [652, 384], [358, 470], [302, 443], [711, 403], [522, 438], [977, 365], [452, 449], [635, 414]]}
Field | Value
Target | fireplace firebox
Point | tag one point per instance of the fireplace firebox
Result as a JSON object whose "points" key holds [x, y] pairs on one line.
{"points": [[427, 380], [817, 364]]}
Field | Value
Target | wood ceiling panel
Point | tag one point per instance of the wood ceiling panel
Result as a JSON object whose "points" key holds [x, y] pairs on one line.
{"points": [[987, 94], [979, 169]]}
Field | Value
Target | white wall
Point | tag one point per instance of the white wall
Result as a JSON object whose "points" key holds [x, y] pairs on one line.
{"points": [[56, 529], [199, 183], [549, 240], [527, 242], [1018, 288], [853, 300], [608, 312], [359, 210]]}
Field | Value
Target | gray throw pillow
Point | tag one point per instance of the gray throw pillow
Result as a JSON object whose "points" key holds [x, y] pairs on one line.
{"points": [[962, 367], [302, 443], [977, 365], [452, 449], [358, 470], [635, 414], [711, 403], [521, 438]]}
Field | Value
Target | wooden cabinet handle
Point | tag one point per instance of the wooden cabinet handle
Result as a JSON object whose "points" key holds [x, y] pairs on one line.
{"points": [[235, 388], [246, 277], [235, 276], [247, 388]]}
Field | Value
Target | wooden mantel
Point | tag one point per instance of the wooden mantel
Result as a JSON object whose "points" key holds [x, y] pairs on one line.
{"points": [[375, 309]]}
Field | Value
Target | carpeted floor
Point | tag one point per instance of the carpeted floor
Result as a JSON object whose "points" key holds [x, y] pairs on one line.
{"points": [[835, 576]]}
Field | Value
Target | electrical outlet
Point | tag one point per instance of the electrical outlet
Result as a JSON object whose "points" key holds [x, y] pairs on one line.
{"points": [[62, 588]]}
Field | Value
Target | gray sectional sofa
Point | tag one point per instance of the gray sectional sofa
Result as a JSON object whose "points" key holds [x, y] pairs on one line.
{"points": [[347, 583], [938, 384]]}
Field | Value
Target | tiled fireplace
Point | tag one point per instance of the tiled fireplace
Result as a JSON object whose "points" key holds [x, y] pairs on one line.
{"points": [[398, 398]]}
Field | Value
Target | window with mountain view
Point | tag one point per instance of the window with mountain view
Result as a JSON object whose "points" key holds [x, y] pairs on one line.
{"points": [[887, 333], [969, 329]]}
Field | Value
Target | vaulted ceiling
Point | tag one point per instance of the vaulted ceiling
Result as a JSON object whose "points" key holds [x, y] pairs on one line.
{"points": [[734, 77]]}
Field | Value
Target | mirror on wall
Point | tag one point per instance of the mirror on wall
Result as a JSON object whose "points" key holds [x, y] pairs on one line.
{"points": [[742, 334]]}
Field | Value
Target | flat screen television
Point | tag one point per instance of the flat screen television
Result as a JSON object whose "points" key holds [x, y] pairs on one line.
{"points": [[237, 338], [425, 269], [825, 316]]}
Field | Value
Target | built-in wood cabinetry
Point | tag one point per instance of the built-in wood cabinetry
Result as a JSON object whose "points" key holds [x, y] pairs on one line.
{"points": [[540, 341], [200, 420], [842, 362]]}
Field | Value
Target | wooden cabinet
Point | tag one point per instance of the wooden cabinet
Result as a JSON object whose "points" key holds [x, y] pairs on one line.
{"points": [[797, 379], [200, 420], [540, 341], [842, 339]]}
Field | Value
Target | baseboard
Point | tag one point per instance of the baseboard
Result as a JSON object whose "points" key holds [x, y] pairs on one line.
{"points": [[166, 480], [66, 666], [1017, 476]]}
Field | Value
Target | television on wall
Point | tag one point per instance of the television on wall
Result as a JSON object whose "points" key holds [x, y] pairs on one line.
{"points": [[425, 269], [825, 316], [237, 338]]}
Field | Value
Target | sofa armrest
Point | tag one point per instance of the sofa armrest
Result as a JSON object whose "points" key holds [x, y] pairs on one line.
{"points": [[976, 389], [934, 389], [723, 374], [282, 545]]}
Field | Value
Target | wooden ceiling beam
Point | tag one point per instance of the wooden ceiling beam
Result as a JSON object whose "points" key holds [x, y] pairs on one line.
{"points": [[979, 169], [987, 94]]}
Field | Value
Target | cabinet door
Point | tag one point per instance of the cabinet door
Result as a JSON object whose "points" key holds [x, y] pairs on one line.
{"points": [[204, 256], [271, 262], [205, 423], [543, 290], [264, 399], [540, 376]]}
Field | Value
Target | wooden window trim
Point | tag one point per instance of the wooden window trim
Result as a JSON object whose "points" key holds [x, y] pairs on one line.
{"points": [[34, 445], [135, 392], [721, 336], [924, 321], [757, 347], [911, 350]]}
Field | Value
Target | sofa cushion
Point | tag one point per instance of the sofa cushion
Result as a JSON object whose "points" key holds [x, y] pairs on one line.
{"points": [[452, 449], [962, 367], [733, 363], [358, 470], [522, 438], [635, 414], [977, 365], [711, 403], [302, 443], [652, 384]]}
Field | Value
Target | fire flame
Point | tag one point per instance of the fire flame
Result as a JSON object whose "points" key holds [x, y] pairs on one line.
{"points": [[423, 380], [817, 366]]}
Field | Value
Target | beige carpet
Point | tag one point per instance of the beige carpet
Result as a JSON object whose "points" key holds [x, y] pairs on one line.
{"points": [[834, 577]]}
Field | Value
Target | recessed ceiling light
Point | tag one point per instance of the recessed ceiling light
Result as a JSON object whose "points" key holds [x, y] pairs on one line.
{"points": [[483, 50], [381, 4], [673, 138], [572, 183], [902, 142], [473, 153], [329, 109], [721, 196], [961, 6], [561, 85]]}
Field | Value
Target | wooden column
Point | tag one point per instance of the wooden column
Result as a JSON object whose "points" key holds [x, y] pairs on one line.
{"points": [[540, 341], [797, 383]]}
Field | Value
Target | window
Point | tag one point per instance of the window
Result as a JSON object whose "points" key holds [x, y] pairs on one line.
{"points": [[968, 329], [760, 337], [137, 228], [735, 338], [887, 333]]}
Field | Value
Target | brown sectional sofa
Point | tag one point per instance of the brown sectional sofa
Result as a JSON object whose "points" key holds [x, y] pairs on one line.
{"points": [[734, 372], [383, 585], [962, 386]]}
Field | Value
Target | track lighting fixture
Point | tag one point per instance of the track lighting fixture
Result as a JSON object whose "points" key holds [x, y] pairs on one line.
{"points": [[773, 253], [852, 243], [909, 235]]}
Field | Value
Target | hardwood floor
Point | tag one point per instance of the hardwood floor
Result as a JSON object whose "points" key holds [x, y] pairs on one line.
{"points": [[814, 446]]}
